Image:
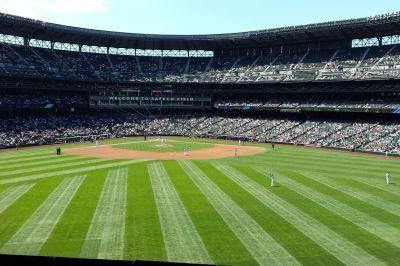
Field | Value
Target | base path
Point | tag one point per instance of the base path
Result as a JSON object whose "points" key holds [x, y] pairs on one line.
{"points": [[218, 151]]}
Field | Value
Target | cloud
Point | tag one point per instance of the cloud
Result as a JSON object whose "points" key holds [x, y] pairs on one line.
{"points": [[40, 9]]}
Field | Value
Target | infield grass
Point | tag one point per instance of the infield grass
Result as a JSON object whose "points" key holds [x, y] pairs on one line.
{"points": [[155, 145]]}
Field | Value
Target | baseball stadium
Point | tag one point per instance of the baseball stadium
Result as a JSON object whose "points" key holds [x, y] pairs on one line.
{"points": [[269, 147]]}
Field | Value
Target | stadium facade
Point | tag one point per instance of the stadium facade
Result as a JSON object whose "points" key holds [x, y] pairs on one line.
{"points": [[333, 84]]}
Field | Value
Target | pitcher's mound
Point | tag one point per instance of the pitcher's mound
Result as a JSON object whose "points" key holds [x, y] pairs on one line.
{"points": [[218, 151]]}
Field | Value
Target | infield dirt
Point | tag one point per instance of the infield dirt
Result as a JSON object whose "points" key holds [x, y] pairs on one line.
{"points": [[218, 151]]}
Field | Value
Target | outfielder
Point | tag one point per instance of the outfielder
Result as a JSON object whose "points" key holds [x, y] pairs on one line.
{"points": [[388, 178], [272, 179]]}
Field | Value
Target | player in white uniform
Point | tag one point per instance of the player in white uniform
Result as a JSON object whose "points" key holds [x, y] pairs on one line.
{"points": [[388, 178], [272, 179]]}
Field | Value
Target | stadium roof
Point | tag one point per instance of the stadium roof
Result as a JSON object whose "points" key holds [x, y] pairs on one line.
{"points": [[377, 26]]}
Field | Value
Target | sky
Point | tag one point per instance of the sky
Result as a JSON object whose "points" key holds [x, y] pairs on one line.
{"points": [[194, 16]]}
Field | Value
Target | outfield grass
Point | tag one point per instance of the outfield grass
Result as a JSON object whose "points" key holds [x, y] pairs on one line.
{"points": [[327, 208], [154, 145]]}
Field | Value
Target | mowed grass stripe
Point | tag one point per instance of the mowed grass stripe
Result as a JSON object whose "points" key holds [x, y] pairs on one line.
{"points": [[77, 170], [51, 167], [80, 164], [329, 165], [264, 249], [6, 161], [365, 161], [378, 183], [370, 167], [10, 155], [182, 241], [374, 182], [14, 217], [361, 219], [29, 239], [379, 191], [378, 202], [360, 237], [39, 162], [302, 248], [338, 246], [224, 247], [354, 202], [105, 237], [303, 154], [143, 236], [68, 236], [374, 176], [329, 154], [13, 153], [347, 163], [11, 195]]}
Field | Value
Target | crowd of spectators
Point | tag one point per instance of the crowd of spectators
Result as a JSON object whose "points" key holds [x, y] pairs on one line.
{"points": [[36, 130], [356, 63], [385, 102], [28, 101]]}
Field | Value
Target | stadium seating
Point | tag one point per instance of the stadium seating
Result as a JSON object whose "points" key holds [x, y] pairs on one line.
{"points": [[35, 130], [389, 102], [357, 63]]}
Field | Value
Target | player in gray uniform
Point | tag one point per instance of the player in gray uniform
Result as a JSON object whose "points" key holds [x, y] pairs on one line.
{"points": [[388, 178]]}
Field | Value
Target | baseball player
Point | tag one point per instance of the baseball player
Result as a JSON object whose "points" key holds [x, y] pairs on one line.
{"points": [[272, 179], [388, 178]]}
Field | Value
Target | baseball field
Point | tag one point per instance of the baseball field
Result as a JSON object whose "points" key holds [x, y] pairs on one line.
{"points": [[151, 201]]}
